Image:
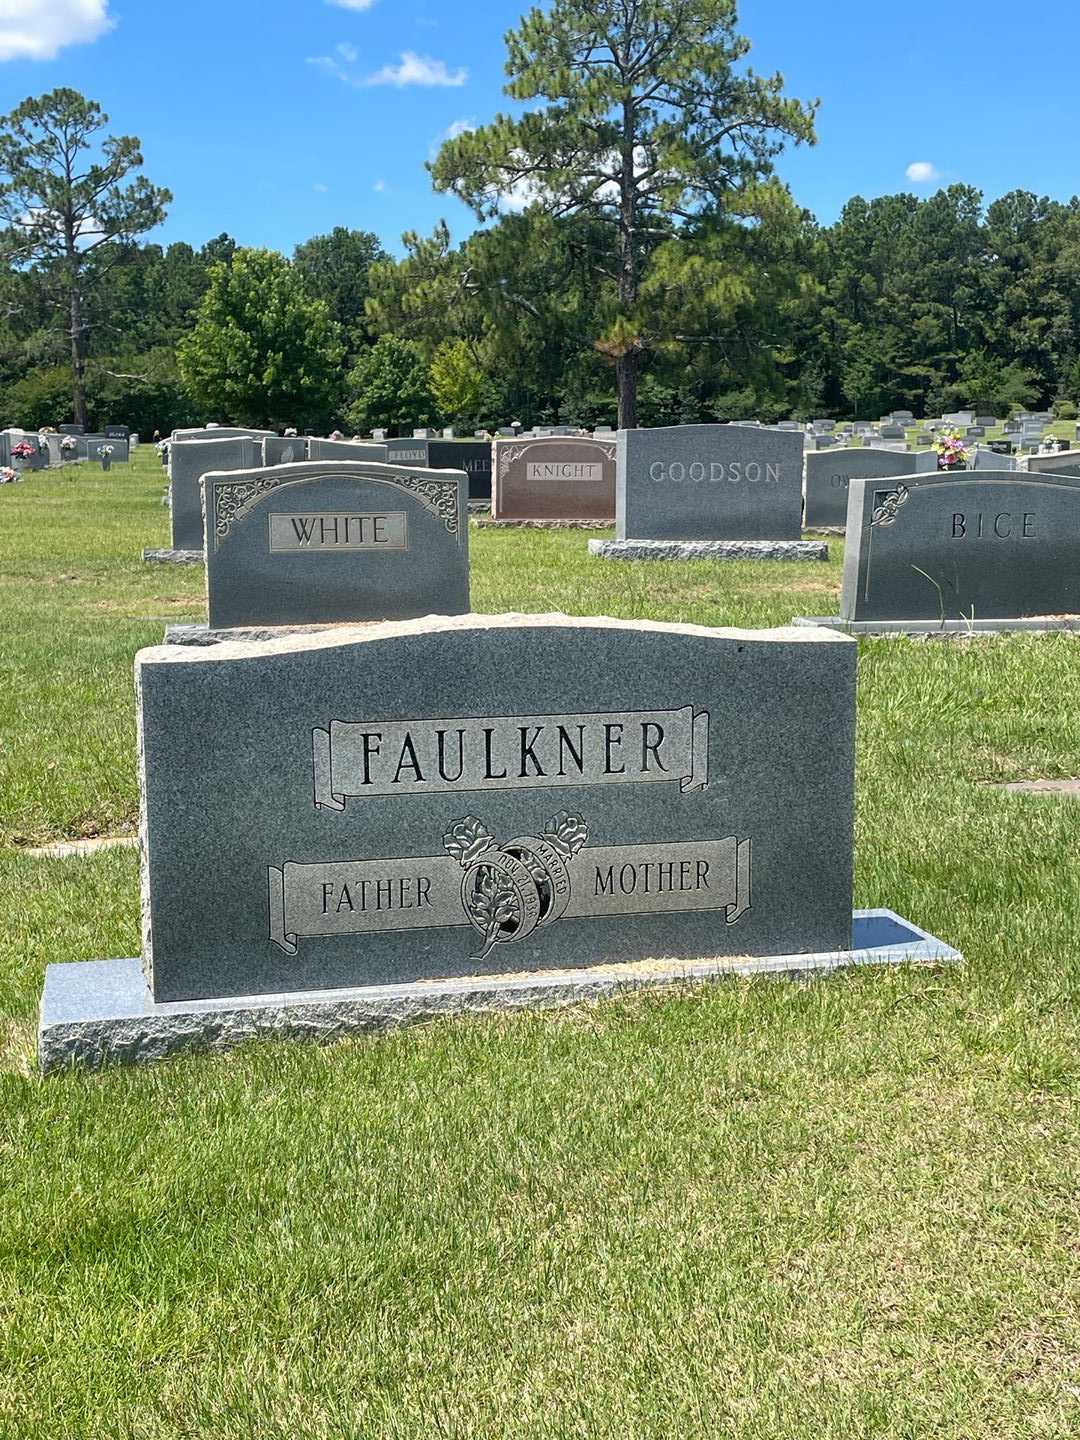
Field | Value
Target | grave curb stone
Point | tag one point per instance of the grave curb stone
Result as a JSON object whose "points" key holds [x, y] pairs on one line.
{"points": [[98, 1012], [709, 549]]}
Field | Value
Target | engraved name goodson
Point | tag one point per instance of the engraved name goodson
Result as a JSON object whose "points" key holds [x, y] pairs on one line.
{"points": [[714, 472], [354, 759], [327, 531]]}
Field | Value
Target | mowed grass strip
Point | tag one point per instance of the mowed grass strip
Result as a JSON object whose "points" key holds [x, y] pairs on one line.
{"points": [[753, 1210]]}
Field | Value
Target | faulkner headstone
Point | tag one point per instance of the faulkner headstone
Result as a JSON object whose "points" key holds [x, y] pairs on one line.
{"points": [[334, 541], [399, 821], [558, 477], [992, 550], [828, 477]]}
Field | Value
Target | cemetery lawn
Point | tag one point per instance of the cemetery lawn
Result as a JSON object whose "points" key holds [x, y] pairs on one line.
{"points": [[756, 1210]]}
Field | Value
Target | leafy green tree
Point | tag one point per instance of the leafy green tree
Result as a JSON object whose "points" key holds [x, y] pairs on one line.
{"points": [[459, 383], [389, 387], [262, 351], [63, 200], [647, 120], [336, 268]]}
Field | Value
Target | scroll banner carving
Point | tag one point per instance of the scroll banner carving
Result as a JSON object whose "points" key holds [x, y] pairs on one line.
{"points": [[354, 759], [507, 892]]}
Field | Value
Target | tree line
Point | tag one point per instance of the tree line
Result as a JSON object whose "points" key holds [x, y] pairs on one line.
{"points": [[640, 262]]}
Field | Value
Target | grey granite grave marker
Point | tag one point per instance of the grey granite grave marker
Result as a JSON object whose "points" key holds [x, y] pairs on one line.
{"points": [[188, 463], [1066, 463], [397, 821], [332, 541], [320, 449], [709, 482], [991, 550], [284, 450], [828, 477]]}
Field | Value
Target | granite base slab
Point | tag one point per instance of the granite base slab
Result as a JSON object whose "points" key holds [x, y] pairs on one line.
{"points": [[709, 549], [203, 634], [174, 557], [487, 523], [101, 1012], [1032, 625]]}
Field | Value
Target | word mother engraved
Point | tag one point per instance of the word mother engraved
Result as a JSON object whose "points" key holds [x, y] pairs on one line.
{"points": [[362, 758], [329, 532], [506, 892]]}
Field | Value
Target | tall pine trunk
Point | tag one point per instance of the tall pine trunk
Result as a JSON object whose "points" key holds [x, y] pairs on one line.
{"points": [[78, 363], [626, 364]]}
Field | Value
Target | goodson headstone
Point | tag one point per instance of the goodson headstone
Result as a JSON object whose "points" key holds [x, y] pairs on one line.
{"points": [[334, 541], [557, 477], [454, 798], [979, 546], [188, 463], [828, 477], [709, 482]]}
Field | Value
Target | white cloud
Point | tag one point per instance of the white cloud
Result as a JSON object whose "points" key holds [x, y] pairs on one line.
{"points": [[418, 70], [348, 53], [379, 187], [39, 29], [320, 188], [922, 172], [452, 131], [352, 4]]}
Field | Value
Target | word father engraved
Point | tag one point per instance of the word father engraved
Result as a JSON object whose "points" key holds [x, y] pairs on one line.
{"points": [[394, 757]]}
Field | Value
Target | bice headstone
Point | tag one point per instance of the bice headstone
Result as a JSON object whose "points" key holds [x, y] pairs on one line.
{"points": [[335, 541], [557, 477], [457, 798], [828, 477], [709, 482], [983, 546], [188, 463]]}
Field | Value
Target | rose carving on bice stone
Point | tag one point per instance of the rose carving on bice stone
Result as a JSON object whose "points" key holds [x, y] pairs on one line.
{"points": [[510, 890]]}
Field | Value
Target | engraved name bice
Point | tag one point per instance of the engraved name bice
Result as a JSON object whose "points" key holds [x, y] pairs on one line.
{"points": [[714, 472]]}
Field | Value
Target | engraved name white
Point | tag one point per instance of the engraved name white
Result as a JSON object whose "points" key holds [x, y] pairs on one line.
{"points": [[327, 531]]}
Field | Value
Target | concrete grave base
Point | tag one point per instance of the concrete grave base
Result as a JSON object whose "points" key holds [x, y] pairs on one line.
{"points": [[101, 1011], [1034, 624], [202, 634], [487, 523], [709, 549], [174, 557]]}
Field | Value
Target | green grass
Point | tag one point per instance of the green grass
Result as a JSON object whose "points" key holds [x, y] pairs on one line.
{"points": [[757, 1211]]}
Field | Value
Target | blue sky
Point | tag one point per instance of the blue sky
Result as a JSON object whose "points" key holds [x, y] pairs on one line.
{"points": [[276, 119]]}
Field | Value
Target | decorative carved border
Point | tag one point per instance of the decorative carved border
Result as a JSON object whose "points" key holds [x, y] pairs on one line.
{"points": [[233, 500], [508, 453], [885, 511]]}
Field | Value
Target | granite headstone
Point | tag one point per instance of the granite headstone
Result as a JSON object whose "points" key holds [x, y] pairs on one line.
{"points": [[982, 546], [446, 798], [188, 463], [709, 482], [335, 541], [828, 477], [559, 477]]}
